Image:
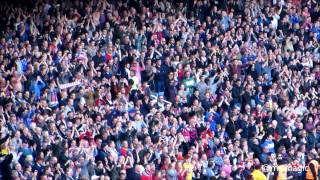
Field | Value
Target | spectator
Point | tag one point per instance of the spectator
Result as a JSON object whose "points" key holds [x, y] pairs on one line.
{"points": [[158, 89]]}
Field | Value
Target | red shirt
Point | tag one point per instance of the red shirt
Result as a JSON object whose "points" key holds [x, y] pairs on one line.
{"points": [[181, 175], [259, 114], [190, 133], [108, 57], [100, 102], [165, 167], [53, 49], [206, 132], [146, 176], [180, 73], [123, 152]]}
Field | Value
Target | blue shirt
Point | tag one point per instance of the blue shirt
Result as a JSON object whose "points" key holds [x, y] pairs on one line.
{"points": [[218, 161], [37, 88], [294, 19], [225, 21], [28, 118], [268, 144]]}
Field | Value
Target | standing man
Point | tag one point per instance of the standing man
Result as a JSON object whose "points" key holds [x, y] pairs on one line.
{"points": [[313, 168], [282, 170]]}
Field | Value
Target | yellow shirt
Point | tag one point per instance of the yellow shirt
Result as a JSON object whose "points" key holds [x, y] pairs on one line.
{"points": [[188, 167], [258, 175], [4, 151], [282, 172]]}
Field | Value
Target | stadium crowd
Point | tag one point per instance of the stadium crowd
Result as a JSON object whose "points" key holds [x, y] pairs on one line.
{"points": [[159, 89]]}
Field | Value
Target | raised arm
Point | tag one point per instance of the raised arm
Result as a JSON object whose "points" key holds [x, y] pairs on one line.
{"points": [[281, 4]]}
